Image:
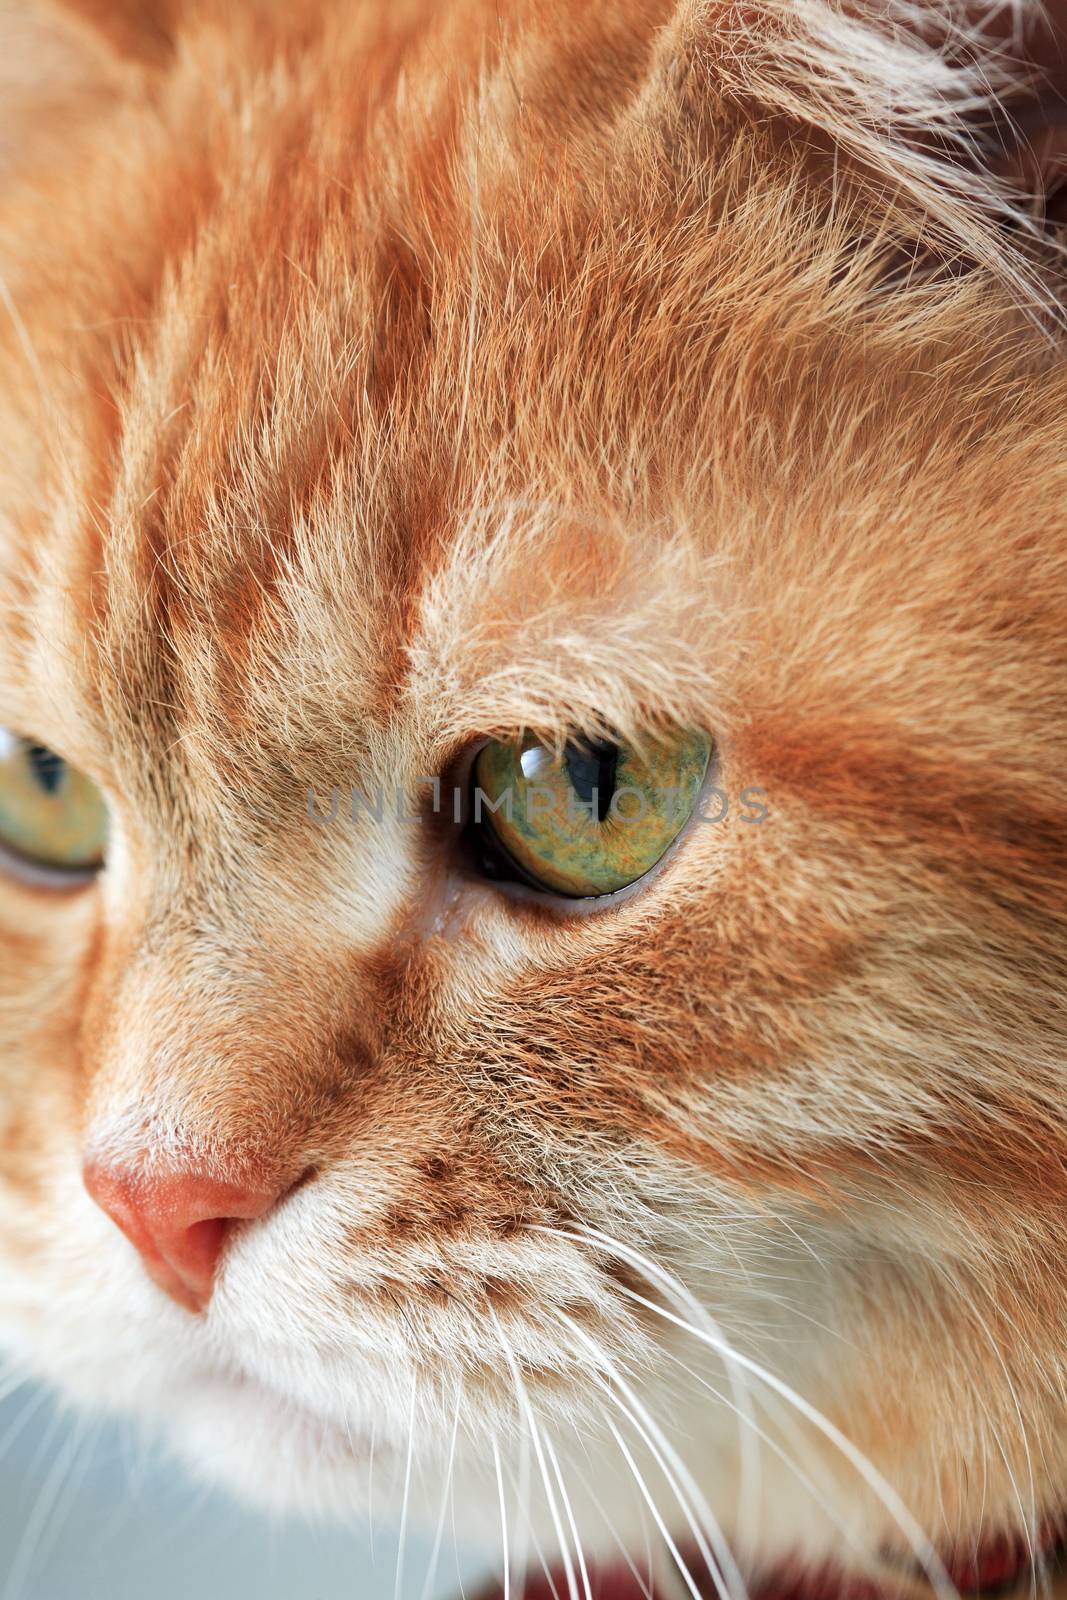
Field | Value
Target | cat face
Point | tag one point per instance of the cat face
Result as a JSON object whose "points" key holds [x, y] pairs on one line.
{"points": [[384, 391]]}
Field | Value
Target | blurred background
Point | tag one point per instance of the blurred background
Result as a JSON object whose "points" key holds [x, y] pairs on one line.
{"points": [[87, 1514]]}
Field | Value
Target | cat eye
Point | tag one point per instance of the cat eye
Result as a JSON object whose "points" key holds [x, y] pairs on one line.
{"points": [[52, 817], [585, 820]]}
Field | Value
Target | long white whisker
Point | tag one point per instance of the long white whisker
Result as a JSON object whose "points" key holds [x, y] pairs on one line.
{"points": [[568, 1512], [712, 1336], [370, 1482], [86, 1438], [1029, 1521], [680, 1480], [535, 1437], [439, 1532], [503, 1521], [749, 1437], [522, 1507], [11, 1384], [455, 1544], [641, 1581], [921, 1547], [43, 1506], [407, 1497], [545, 1568], [530, 1540], [29, 1410], [776, 1449], [665, 1534]]}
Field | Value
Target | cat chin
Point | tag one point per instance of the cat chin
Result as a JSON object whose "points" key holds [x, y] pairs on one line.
{"points": [[279, 1457], [272, 1452]]}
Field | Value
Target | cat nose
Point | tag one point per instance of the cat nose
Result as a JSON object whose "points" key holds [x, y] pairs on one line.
{"points": [[178, 1220]]}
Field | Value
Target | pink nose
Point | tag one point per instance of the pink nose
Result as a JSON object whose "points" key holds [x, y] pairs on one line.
{"points": [[179, 1221]]}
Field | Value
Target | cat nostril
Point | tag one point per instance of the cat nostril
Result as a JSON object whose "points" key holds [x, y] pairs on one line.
{"points": [[178, 1221]]}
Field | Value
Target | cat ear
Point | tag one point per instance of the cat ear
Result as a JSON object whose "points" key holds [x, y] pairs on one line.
{"points": [[63, 64]]}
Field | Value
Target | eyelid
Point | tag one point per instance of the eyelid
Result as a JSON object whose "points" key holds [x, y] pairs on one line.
{"points": [[36, 875], [456, 779]]}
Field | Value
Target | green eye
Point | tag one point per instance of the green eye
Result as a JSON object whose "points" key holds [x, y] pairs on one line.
{"points": [[51, 816], [591, 819]]}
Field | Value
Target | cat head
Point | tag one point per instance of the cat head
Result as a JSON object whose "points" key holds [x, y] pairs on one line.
{"points": [[402, 406]]}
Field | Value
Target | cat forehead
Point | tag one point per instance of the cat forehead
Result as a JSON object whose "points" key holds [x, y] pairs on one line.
{"points": [[360, 442], [459, 404]]}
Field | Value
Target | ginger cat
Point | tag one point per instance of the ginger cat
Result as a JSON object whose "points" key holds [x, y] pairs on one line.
{"points": [[413, 411]]}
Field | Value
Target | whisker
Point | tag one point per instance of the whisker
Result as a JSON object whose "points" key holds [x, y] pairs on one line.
{"points": [[649, 1499], [777, 1449], [1029, 1522], [674, 1470], [712, 1336], [29, 1410], [12, 1383], [545, 1568], [522, 1507], [535, 1437], [439, 1532], [455, 1544], [87, 1436], [401, 1547], [44, 1504], [503, 1521], [921, 1547], [569, 1513], [749, 1436], [641, 1581], [347, 1424]]}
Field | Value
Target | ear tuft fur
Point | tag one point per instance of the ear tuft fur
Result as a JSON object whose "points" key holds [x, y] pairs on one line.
{"points": [[953, 116], [1027, 133]]}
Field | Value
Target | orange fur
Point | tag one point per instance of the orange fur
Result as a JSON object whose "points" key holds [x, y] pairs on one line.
{"points": [[378, 378]]}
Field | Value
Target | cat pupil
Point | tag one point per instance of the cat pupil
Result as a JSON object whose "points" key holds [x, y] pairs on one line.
{"points": [[47, 767], [592, 767]]}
